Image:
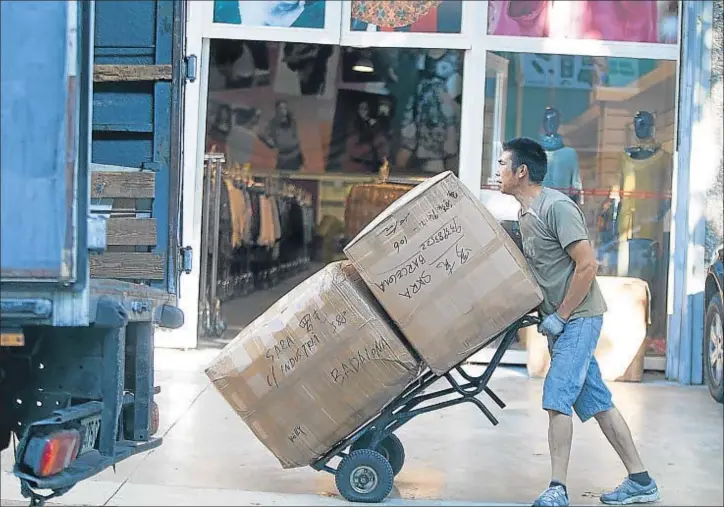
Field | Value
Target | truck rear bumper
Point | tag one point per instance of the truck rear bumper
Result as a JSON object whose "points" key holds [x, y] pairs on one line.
{"points": [[88, 465]]}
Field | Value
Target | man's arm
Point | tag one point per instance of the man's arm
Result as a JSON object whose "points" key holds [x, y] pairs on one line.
{"points": [[583, 276]]}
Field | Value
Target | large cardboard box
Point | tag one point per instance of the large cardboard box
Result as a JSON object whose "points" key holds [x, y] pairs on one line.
{"points": [[315, 366], [445, 271]]}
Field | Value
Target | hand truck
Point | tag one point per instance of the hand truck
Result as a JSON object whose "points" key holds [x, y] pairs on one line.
{"points": [[372, 456]]}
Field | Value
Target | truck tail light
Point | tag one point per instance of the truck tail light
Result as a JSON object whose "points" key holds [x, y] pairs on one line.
{"points": [[49, 454]]}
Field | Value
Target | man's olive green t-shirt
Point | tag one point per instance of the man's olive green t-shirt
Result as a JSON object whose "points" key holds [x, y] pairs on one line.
{"points": [[551, 224]]}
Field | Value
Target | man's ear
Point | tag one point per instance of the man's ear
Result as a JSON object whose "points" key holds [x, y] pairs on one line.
{"points": [[522, 171]]}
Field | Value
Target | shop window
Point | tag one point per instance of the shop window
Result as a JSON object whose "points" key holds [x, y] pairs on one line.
{"points": [[608, 127], [322, 119], [312, 109], [612, 20]]}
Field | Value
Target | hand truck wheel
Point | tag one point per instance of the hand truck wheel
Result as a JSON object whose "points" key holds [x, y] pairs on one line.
{"points": [[364, 475], [390, 447]]}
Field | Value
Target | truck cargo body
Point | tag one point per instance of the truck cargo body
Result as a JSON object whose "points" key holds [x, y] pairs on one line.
{"points": [[91, 156]]}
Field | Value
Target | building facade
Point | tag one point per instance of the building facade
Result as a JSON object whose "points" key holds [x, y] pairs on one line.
{"points": [[623, 95]]}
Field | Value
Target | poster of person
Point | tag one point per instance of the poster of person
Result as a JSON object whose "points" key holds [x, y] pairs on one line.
{"points": [[423, 88], [425, 16], [239, 64], [615, 20], [285, 14], [307, 70], [271, 131], [361, 132], [430, 129]]}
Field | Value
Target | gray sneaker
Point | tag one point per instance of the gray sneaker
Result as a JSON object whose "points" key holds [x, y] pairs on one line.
{"points": [[630, 492], [554, 496]]}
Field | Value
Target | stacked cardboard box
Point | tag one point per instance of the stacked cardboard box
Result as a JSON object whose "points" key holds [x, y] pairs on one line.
{"points": [[444, 269], [326, 357], [315, 366]]}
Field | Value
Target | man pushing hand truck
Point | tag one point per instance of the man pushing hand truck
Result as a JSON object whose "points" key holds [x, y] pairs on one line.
{"points": [[557, 248]]}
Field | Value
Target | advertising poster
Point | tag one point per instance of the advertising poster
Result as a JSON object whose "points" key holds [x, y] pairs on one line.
{"points": [[612, 20], [258, 115], [307, 108], [284, 14], [431, 16]]}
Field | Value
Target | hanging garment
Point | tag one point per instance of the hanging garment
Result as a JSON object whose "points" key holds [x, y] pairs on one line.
{"points": [[267, 222], [248, 217], [296, 225], [222, 242], [276, 219], [309, 221], [235, 211], [264, 221], [242, 212], [255, 227]]}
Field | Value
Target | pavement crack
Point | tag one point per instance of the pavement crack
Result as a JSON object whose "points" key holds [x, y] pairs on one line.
{"points": [[193, 402], [149, 453]]}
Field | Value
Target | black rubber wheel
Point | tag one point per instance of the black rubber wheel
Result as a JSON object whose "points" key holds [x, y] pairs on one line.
{"points": [[364, 476], [713, 343], [390, 447]]}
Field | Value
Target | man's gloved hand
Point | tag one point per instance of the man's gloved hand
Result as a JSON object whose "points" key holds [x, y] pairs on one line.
{"points": [[552, 325]]}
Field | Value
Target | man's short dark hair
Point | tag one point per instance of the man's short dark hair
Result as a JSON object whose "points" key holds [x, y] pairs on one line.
{"points": [[529, 152]]}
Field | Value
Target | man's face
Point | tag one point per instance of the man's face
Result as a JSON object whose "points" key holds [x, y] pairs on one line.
{"points": [[506, 175]]}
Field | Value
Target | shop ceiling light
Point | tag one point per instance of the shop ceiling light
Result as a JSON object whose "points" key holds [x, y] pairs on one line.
{"points": [[363, 65]]}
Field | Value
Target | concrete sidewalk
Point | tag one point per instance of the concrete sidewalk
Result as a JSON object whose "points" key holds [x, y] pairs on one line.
{"points": [[454, 457]]}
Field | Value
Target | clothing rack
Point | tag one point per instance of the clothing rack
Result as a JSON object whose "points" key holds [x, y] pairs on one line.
{"points": [[257, 231]]}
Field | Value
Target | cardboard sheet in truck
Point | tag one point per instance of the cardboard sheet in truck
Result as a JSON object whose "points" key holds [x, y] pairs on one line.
{"points": [[316, 366], [445, 271]]}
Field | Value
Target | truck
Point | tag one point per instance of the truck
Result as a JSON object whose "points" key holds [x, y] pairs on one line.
{"points": [[91, 110]]}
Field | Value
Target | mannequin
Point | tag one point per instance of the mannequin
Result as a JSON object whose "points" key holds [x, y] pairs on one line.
{"points": [[644, 212], [645, 180], [563, 171]]}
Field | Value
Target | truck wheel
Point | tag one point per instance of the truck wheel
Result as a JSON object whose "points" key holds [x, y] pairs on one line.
{"points": [[364, 476], [390, 447], [713, 344]]}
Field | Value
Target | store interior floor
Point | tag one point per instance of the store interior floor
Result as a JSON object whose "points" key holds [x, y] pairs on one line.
{"points": [[240, 312]]}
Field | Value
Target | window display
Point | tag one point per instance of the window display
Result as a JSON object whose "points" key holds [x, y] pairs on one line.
{"points": [[609, 140], [427, 16], [612, 20]]}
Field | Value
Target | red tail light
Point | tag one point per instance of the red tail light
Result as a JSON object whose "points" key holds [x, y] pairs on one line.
{"points": [[49, 454]]}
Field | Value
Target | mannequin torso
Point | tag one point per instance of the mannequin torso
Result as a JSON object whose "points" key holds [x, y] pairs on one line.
{"points": [[645, 173]]}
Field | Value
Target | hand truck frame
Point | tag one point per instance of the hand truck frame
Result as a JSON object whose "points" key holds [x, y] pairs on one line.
{"points": [[366, 471]]}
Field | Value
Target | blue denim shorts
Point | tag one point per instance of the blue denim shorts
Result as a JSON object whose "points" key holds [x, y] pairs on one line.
{"points": [[574, 379]]}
